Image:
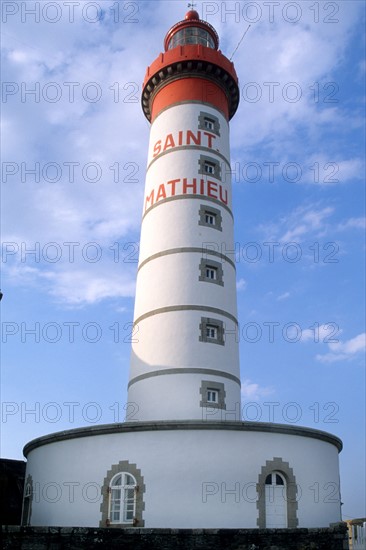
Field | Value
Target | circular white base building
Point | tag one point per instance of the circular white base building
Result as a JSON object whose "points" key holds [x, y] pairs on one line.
{"points": [[191, 474]]}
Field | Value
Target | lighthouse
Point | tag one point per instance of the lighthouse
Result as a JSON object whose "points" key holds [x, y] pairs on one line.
{"points": [[185, 361], [186, 459]]}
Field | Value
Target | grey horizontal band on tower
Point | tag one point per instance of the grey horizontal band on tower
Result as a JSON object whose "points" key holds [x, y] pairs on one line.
{"points": [[170, 309], [185, 250], [190, 147], [190, 196], [207, 372]]}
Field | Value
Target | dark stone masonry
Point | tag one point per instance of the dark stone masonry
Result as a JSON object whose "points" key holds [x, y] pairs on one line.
{"points": [[75, 538]]}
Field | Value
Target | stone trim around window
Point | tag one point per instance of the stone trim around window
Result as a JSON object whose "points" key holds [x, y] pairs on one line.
{"points": [[27, 501], [216, 386], [204, 264], [219, 325], [127, 467], [216, 123], [203, 159], [278, 465], [208, 210]]}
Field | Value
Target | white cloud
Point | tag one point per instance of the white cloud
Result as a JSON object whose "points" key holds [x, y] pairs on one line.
{"points": [[350, 169], [352, 223], [78, 282], [241, 284], [79, 288], [283, 296], [321, 333], [304, 222], [324, 170], [252, 391], [344, 351]]}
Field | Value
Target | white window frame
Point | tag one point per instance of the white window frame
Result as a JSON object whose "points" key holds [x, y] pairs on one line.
{"points": [[210, 218], [212, 332], [212, 396], [209, 123], [124, 500], [211, 272], [209, 168]]}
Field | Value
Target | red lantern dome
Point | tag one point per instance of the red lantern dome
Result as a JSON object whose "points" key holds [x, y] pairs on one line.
{"points": [[192, 68], [192, 15]]}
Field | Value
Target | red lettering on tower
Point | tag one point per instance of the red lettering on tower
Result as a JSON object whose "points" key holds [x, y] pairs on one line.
{"points": [[161, 193], [202, 187], [157, 148], [169, 142], [150, 199], [173, 184], [187, 186], [210, 137], [192, 137], [184, 138], [212, 189], [223, 199]]}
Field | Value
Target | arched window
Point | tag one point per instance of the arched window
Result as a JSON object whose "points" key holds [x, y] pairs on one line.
{"points": [[123, 489], [275, 479]]}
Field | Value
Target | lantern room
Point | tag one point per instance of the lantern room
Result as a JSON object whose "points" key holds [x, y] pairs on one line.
{"points": [[192, 30]]}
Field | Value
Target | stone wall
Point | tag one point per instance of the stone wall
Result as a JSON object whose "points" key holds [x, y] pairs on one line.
{"points": [[74, 538]]}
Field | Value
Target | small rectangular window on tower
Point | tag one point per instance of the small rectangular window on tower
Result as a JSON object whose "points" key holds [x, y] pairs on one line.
{"points": [[209, 123], [211, 331], [213, 394], [209, 166], [211, 271], [210, 217]]}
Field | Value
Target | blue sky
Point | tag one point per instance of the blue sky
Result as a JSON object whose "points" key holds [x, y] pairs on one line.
{"points": [[73, 161]]}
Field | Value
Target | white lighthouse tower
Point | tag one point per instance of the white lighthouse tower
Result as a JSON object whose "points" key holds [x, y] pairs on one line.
{"points": [[186, 460], [185, 362]]}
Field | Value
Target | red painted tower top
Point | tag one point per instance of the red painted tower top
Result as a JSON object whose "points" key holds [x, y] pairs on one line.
{"points": [[191, 69]]}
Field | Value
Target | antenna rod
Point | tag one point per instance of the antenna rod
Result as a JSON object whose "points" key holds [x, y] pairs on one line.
{"points": [[240, 41]]}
